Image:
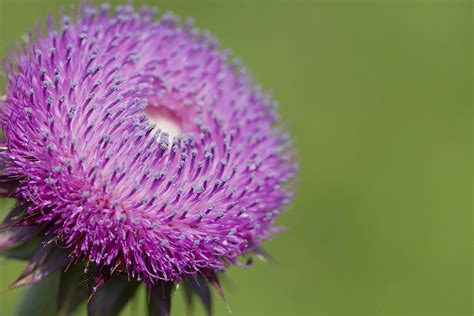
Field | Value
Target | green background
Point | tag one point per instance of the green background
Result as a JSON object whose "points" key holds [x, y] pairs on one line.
{"points": [[378, 98]]}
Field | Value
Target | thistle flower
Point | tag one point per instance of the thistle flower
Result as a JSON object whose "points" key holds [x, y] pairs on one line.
{"points": [[108, 195]]}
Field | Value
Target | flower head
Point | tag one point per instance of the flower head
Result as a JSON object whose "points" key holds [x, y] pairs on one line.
{"points": [[92, 171]]}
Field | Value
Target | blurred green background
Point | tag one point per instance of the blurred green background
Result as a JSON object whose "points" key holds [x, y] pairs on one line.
{"points": [[378, 98]]}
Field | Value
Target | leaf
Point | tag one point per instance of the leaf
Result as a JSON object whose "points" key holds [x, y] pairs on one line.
{"points": [[17, 213], [262, 255], [213, 280], [5, 191], [99, 280], [72, 290], [16, 235], [23, 251], [112, 297], [39, 299], [160, 299], [7, 188], [188, 298], [198, 286], [45, 261]]}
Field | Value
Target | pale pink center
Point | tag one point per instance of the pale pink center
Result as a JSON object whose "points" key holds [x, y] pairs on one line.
{"points": [[165, 119]]}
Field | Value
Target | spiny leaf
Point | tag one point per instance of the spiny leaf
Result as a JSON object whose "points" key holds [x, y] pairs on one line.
{"points": [[112, 297], [16, 214], [198, 286], [16, 235], [39, 299], [72, 290], [213, 280], [159, 303], [24, 251], [8, 188], [45, 261], [263, 255], [98, 282], [188, 298]]}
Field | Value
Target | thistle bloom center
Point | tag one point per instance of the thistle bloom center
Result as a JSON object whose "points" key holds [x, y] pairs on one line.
{"points": [[167, 120]]}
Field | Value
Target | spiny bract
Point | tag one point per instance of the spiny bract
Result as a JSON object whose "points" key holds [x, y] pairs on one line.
{"points": [[97, 177]]}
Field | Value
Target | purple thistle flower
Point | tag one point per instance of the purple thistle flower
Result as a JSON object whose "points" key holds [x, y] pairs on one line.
{"points": [[179, 200]]}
